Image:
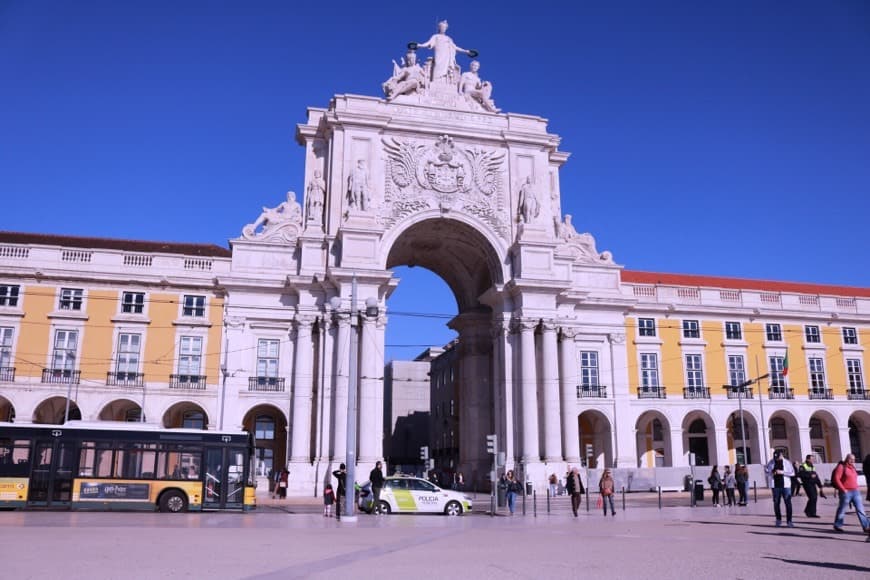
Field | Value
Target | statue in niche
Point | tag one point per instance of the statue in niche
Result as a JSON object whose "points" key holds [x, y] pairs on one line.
{"points": [[407, 79], [478, 91], [287, 212], [358, 191], [528, 208], [445, 68], [315, 196]]}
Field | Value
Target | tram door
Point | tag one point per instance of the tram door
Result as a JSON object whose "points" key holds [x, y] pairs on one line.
{"points": [[52, 474], [224, 478]]}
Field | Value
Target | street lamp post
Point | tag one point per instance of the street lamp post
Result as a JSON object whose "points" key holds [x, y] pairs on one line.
{"points": [[742, 389]]}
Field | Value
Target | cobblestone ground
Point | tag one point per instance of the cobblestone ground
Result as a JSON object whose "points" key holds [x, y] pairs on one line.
{"points": [[290, 539]]}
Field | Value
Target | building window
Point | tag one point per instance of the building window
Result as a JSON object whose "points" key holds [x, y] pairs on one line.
{"points": [[5, 347], [733, 331], [812, 334], [817, 373], [694, 372], [63, 357], [773, 332], [9, 295], [776, 366], [777, 428], [133, 415], [816, 431], [589, 369], [647, 326], [267, 358], [736, 370], [850, 335], [194, 306], [657, 430], [128, 355], [649, 371], [691, 329], [70, 299], [193, 420], [133, 302], [189, 356], [853, 372], [264, 428]]}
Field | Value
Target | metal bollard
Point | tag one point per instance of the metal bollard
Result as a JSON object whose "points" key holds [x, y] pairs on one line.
{"points": [[623, 498], [587, 498], [524, 499], [660, 497], [754, 492], [535, 503], [548, 501]]}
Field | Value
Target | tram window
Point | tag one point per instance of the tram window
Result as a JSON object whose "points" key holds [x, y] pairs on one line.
{"points": [[136, 464], [14, 457], [95, 460], [176, 465]]}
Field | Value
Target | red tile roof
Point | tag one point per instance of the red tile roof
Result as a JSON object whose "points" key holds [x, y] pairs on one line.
{"points": [[184, 249], [694, 280]]}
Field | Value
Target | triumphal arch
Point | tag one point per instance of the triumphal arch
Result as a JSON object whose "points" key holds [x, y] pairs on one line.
{"points": [[431, 173]]}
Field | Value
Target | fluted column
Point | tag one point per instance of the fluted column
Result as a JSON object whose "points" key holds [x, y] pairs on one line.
{"points": [[368, 423], [341, 360], [529, 390], [568, 381], [550, 381], [302, 385]]}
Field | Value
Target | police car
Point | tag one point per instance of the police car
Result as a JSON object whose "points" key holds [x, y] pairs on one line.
{"points": [[406, 494]]}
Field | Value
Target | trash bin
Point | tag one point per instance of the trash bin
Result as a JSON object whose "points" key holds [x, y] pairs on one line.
{"points": [[687, 483], [529, 488], [699, 490], [501, 494]]}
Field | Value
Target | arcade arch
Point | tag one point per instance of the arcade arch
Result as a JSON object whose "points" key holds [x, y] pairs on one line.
{"points": [[595, 431], [859, 434], [7, 410], [185, 415], [121, 410], [269, 426], [785, 434], [699, 437], [824, 437], [52, 411], [737, 435], [653, 440]]}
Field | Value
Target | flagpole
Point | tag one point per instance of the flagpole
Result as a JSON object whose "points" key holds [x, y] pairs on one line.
{"points": [[761, 409]]}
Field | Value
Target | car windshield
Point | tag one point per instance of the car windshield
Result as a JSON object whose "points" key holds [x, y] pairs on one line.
{"points": [[420, 485]]}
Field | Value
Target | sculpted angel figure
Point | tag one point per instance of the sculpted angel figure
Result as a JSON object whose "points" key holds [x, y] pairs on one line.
{"points": [[315, 196], [358, 193], [406, 79], [445, 54], [528, 202], [477, 90], [286, 211]]}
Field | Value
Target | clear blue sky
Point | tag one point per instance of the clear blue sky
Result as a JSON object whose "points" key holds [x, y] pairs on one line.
{"points": [[727, 138]]}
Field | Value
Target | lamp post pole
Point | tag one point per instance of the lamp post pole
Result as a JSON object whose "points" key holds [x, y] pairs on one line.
{"points": [[742, 389], [353, 385]]}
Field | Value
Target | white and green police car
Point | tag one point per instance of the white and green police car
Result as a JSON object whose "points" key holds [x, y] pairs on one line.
{"points": [[405, 494]]}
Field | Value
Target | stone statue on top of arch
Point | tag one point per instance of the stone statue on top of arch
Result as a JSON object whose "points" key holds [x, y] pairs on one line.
{"points": [[444, 68]]}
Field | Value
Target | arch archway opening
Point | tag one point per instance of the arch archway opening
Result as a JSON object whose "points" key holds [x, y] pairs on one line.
{"points": [[654, 440], [699, 438], [185, 415], [269, 426], [52, 411], [7, 410], [596, 439]]}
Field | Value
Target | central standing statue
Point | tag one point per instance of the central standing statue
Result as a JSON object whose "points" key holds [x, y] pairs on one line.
{"points": [[445, 67]]}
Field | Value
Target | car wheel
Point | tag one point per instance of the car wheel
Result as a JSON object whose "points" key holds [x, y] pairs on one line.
{"points": [[383, 507], [173, 502], [453, 509]]}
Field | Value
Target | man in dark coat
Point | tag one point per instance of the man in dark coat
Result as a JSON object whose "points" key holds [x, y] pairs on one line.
{"points": [[574, 486], [376, 477], [812, 486], [341, 475]]}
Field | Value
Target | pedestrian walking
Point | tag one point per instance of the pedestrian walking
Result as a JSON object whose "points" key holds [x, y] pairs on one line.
{"points": [[328, 500], [283, 480], [341, 475], [730, 483], [376, 477], [554, 484], [741, 475], [715, 481], [575, 489], [513, 488], [606, 488], [812, 486], [845, 479], [779, 474], [796, 481]]}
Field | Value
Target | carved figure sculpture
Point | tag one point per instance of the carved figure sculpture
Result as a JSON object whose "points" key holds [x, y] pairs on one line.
{"points": [[407, 79], [358, 192], [478, 91], [445, 68], [272, 218], [315, 196], [584, 242], [528, 209]]}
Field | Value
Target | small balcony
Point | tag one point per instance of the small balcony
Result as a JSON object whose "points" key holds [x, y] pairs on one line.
{"points": [[858, 395], [821, 393], [61, 376], [696, 392], [187, 382], [7, 374], [125, 379], [591, 392], [651, 393], [266, 384], [739, 392], [781, 393]]}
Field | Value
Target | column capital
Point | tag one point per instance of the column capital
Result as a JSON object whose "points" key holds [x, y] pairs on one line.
{"points": [[616, 338], [569, 332], [548, 326], [304, 321]]}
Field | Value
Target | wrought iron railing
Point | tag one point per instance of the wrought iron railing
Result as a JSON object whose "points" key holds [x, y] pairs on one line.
{"points": [[266, 384], [696, 392], [188, 382], [780, 393], [61, 376], [858, 395], [123, 379], [591, 392], [739, 392], [7, 374], [651, 393]]}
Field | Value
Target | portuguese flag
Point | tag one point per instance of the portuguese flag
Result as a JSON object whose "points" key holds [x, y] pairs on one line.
{"points": [[785, 365]]}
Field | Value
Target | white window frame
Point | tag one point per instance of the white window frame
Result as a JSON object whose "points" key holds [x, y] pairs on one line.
{"points": [[694, 371], [186, 356], [736, 369], [71, 299], [268, 363], [850, 335], [644, 329], [816, 373], [7, 345], [128, 357], [773, 332], [135, 306], [854, 375], [10, 295], [776, 364], [193, 305], [590, 371], [649, 371], [68, 355], [729, 326], [691, 329], [812, 334]]}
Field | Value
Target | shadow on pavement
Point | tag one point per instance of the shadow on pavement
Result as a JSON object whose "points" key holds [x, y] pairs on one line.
{"points": [[832, 565]]}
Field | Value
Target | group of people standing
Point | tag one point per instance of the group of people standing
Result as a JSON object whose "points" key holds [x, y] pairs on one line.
{"points": [[573, 487], [735, 484]]}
